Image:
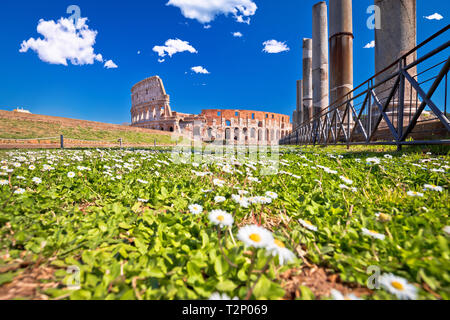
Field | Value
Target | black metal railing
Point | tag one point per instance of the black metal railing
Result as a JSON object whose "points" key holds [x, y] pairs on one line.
{"points": [[406, 103]]}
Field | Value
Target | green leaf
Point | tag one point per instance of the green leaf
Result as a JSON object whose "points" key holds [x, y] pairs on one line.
{"points": [[306, 293], [220, 266], [226, 285], [81, 295]]}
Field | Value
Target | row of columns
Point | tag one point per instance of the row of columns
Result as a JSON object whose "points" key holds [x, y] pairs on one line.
{"points": [[395, 37], [155, 113]]}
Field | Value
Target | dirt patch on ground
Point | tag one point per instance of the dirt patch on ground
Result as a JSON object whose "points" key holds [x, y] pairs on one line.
{"points": [[30, 284], [318, 281]]}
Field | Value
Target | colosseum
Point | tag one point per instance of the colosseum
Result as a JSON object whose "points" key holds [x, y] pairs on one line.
{"points": [[151, 109]]}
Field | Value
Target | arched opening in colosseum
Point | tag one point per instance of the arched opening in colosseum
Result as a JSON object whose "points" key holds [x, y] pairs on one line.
{"points": [[171, 129], [210, 133], [253, 133], [267, 135], [260, 135], [227, 134], [228, 123], [260, 124], [236, 134], [245, 132]]}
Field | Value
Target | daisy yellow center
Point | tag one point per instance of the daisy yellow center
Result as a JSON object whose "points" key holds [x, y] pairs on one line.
{"points": [[397, 285], [308, 223], [255, 237], [373, 231], [220, 218], [279, 243]]}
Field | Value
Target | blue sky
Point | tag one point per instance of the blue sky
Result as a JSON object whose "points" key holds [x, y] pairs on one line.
{"points": [[241, 75]]}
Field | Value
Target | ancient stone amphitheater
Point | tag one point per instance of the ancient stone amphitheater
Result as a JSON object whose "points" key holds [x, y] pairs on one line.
{"points": [[151, 109]]}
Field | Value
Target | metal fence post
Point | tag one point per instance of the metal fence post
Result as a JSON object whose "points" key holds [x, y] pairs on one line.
{"points": [[401, 105]]}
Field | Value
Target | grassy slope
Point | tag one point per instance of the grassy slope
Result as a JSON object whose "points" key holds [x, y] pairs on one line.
{"points": [[23, 129]]}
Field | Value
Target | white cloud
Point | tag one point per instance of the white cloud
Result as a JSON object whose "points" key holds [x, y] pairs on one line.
{"points": [[200, 69], [173, 46], [206, 11], [274, 46], [161, 60], [370, 45], [207, 26], [139, 52], [110, 65], [237, 34], [63, 41], [435, 16]]}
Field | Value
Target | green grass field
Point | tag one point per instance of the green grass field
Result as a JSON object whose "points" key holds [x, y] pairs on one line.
{"points": [[26, 129], [147, 225]]}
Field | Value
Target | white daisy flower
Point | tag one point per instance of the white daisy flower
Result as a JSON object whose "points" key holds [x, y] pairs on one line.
{"points": [[219, 199], [195, 209], [432, 187], [414, 194], [272, 195], [277, 248], [337, 295], [328, 170], [32, 167], [37, 180], [17, 164], [218, 183], [307, 224], [373, 234], [142, 200], [19, 191], [255, 236], [4, 182], [398, 286], [221, 218], [223, 296], [447, 230], [71, 174], [373, 160], [388, 156], [346, 180]]}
